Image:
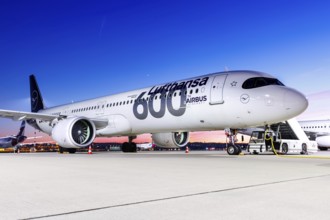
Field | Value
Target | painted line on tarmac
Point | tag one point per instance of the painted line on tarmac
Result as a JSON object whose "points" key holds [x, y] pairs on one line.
{"points": [[177, 197]]}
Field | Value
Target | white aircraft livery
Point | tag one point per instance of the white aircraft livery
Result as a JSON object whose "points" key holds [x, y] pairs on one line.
{"points": [[232, 99], [318, 130]]}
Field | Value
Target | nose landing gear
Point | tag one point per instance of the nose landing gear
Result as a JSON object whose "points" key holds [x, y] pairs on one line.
{"points": [[232, 148]]}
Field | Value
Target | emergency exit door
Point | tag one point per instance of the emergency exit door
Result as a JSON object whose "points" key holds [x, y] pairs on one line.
{"points": [[217, 89]]}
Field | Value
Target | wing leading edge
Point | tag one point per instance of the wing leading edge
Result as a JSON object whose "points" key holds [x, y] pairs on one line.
{"points": [[20, 115]]}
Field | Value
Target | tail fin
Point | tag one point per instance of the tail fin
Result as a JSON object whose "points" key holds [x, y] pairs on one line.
{"points": [[21, 130], [36, 98]]}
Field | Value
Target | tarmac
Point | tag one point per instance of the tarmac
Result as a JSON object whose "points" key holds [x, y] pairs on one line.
{"points": [[163, 185]]}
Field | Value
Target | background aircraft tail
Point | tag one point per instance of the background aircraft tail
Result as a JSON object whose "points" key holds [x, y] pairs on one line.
{"points": [[22, 129], [36, 98]]}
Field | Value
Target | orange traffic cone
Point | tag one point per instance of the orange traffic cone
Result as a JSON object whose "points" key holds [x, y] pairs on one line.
{"points": [[90, 150], [187, 150]]}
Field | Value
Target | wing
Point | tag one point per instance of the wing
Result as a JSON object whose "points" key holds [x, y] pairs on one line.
{"points": [[19, 116]]}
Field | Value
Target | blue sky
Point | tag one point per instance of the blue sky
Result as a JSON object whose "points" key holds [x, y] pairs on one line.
{"points": [[84, 49]]}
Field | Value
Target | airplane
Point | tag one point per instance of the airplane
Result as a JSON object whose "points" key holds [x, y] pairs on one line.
{"points": [[145, 146], [318, 130], [14, 140], [231, 99]]}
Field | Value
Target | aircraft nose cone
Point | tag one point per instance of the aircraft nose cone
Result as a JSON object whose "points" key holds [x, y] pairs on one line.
{"points": [[295, 102]]}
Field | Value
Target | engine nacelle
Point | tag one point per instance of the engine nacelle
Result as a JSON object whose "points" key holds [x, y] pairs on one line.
{"points": [[74, 132], [171, 140], [323, 141]]}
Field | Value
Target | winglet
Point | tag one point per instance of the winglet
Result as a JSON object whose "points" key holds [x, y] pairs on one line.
{"points": [[35, 95]]}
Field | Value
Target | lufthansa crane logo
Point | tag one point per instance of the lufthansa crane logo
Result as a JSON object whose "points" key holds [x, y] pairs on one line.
{"points": [[34, 99], [245, 98]]}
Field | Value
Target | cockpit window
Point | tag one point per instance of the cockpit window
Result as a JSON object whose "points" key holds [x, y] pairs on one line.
{"points": [[260, 82]]}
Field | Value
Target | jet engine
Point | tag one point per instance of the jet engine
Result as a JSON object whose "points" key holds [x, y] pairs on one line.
{"points": [[74, 132], [323, 141], [171, 140]]}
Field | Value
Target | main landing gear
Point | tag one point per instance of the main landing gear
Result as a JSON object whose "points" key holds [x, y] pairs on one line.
{"points": [[232, 148], [129, 147]]}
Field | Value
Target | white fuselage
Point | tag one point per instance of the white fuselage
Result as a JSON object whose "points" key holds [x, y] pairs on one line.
{"points": [[320, 127], [212, 102]]}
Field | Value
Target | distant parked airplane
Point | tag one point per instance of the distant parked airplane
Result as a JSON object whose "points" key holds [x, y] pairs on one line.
{"points": [[232, 99], [318, 130], [145, 146], [13, 140]]}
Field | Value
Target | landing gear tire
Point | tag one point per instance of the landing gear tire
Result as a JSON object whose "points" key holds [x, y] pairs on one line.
{"points": [[232, 150], [61, 150], [72, 150], [133, 147], [128, 147], [285, 148], [125, 147], [303, 149]]}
